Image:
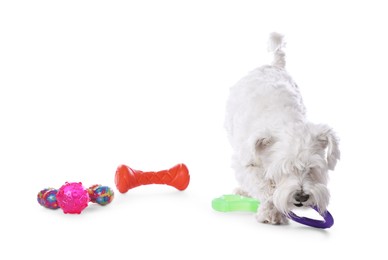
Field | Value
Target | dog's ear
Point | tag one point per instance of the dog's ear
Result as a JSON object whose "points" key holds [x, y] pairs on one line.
{"points": [[328, 140]]}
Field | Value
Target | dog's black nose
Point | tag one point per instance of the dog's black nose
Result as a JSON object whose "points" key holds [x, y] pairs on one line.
{"points": [[301, 196]]}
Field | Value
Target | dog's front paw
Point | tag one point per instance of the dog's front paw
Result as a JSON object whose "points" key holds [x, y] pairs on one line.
{"points": [[241, 192], [271, 216]]}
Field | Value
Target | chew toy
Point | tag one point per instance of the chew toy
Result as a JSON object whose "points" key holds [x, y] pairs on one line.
{"points": [[73, 197], [229, 203], [127, 178], [232, 202], [326, 223]]}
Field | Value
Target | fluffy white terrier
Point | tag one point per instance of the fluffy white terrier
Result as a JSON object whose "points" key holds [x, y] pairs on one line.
{"points": [[280, 158]]}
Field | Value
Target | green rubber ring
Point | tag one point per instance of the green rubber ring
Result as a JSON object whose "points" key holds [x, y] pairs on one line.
{"points": [[231, 202]]}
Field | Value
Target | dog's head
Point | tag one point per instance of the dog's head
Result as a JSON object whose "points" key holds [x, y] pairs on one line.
{"points": [[297, 163]]}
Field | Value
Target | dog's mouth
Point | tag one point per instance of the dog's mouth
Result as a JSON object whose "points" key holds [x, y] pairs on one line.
{"points": [[298, 204]]}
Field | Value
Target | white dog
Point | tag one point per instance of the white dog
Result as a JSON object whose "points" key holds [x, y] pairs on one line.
{"points": [[279, 157]]}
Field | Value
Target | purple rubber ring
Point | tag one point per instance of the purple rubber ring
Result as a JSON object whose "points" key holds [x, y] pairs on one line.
{"points": [[326, 223]]}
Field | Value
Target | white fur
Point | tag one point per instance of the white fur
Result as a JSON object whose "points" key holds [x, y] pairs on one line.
{"points": [[277, 152]]}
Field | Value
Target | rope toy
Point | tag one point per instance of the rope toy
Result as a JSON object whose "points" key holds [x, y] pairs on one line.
{"points": [[127, 178], [233, 202], [72, 197]]}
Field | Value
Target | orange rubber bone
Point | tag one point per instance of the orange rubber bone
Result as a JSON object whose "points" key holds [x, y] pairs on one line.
{"points": [[127, 178]]}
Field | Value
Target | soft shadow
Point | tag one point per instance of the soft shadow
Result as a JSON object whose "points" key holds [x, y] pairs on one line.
{"points": [[324, 232]]}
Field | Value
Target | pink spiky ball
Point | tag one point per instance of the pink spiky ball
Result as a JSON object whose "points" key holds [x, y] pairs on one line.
{"points": [[72, 197]]}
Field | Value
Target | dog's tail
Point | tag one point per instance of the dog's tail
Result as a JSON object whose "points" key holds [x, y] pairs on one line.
{"points": [[276, 46]]}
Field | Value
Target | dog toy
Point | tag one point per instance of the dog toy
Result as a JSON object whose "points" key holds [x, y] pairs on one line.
{"points": [[229, 203], [127, 178], [73, 197], [326, 223], [233, 202]]}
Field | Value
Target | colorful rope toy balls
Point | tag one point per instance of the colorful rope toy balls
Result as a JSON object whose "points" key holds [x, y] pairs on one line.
{"points": [[73, 198]]}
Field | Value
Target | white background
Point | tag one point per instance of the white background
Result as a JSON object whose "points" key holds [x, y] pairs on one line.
{"points": [[88, 85]]}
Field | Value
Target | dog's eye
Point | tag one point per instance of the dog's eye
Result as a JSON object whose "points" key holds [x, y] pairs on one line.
{"points": [[313, 172]]}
